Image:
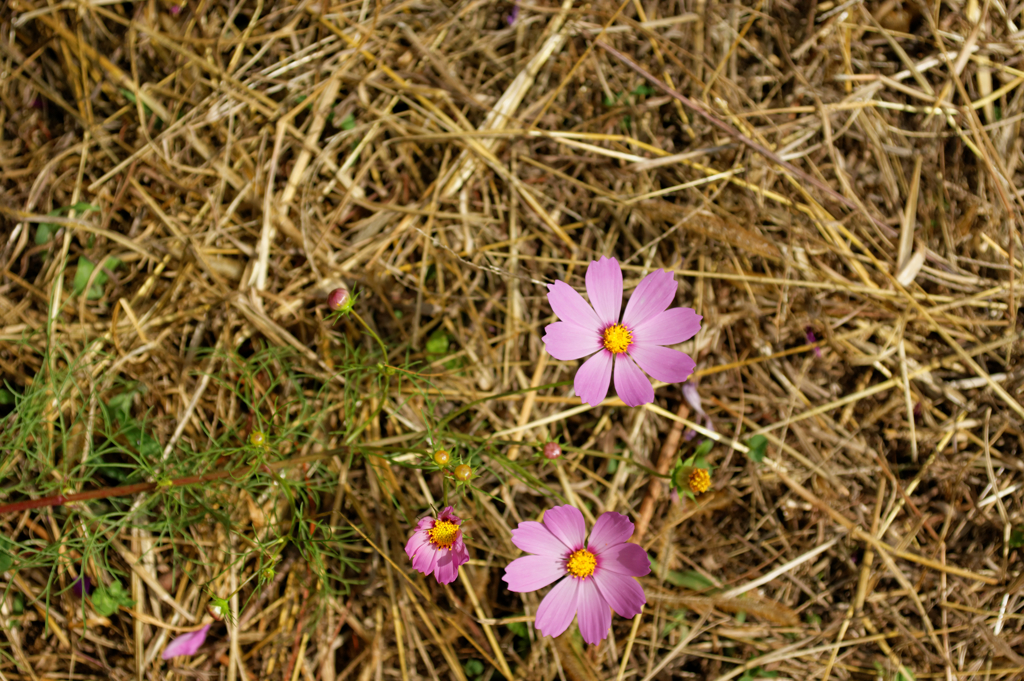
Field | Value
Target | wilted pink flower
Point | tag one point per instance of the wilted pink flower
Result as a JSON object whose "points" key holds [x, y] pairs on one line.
{"points": [[809, 335], [552, 450], [175, 10], [436, 546], [639, 338], [81, 586], [598, 575], [693, 399], [186, 644], [337, 299]]}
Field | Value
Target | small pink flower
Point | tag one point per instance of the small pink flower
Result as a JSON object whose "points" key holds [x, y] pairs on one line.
{"points": [[640, 337], [598, 575], [186, 644], [436, 546], [552, 450]]}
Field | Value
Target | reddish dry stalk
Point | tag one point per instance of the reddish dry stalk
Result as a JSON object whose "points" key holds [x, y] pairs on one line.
{"points": [[668, 451], [127, 490]]}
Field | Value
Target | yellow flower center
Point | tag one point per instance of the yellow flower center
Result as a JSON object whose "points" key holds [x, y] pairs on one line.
{"points": [[442, 534], [617, 338], [700, 481], [581, 564]]}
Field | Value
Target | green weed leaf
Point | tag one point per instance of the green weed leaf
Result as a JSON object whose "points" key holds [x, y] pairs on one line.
{"points": [[84, 272], [348, 122], [107, 599], [474, 667], [758, 448]]}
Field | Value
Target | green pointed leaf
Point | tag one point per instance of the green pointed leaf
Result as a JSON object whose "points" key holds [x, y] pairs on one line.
{"points": [[704, 449]]}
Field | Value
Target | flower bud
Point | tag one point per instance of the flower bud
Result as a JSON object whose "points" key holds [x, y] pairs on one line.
{"points": [[257, 438], [442, 457], [552, 450], [463, 473], [337, 299]]}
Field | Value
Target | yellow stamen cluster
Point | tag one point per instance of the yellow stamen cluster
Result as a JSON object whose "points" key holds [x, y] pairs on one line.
{"points": [[617, 338], [581, 564], [700, 481], [442, 534]]}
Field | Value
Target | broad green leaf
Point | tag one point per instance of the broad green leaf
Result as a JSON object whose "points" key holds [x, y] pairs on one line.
{"points": [[121, 405], [348, 122], [519, 629], [704, 448], [6, 396], [6, 561], [758, 448], [437, 344], [474, 667]]}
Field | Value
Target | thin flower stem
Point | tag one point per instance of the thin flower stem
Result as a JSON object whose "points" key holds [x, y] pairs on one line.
{"points": [[366, 326]]}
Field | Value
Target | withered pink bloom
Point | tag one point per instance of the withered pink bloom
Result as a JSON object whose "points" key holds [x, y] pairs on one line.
{"points": [[639, 337], [597, 576], [436, 546], [186, 644]]}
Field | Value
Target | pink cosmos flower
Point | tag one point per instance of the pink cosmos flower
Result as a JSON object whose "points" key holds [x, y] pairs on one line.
{"points": [[186, 644], [436, 546], [598, 575], [640, 337]]}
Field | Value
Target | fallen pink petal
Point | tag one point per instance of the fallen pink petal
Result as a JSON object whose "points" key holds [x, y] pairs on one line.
{"points": [[593, 577], [436, 546], [626, 346], [186, 644]]}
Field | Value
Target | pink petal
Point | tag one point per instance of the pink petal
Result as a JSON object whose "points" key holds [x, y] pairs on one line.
{"points": [[533, 537], [624, 594], [595, 617], [459, 551], [664, 364], [610, 529], [570, 306], [421, 552], [654, 294], [530, 573], [668, 327], [630, 383], [447, 513], [565, 341], [566, 523], [593, 378], [186, 644], [625, 559], [604, 286], [447, 570], [558, 608], [425, 560]]}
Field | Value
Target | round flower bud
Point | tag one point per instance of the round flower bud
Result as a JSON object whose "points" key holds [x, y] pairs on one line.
{"points": [[552, 450], [463, 472], [337, 299], [700, 481], [442, 457], [257, 438]]}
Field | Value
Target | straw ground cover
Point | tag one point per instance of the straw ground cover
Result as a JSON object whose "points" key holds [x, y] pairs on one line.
{"points": [[184, 424]]}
